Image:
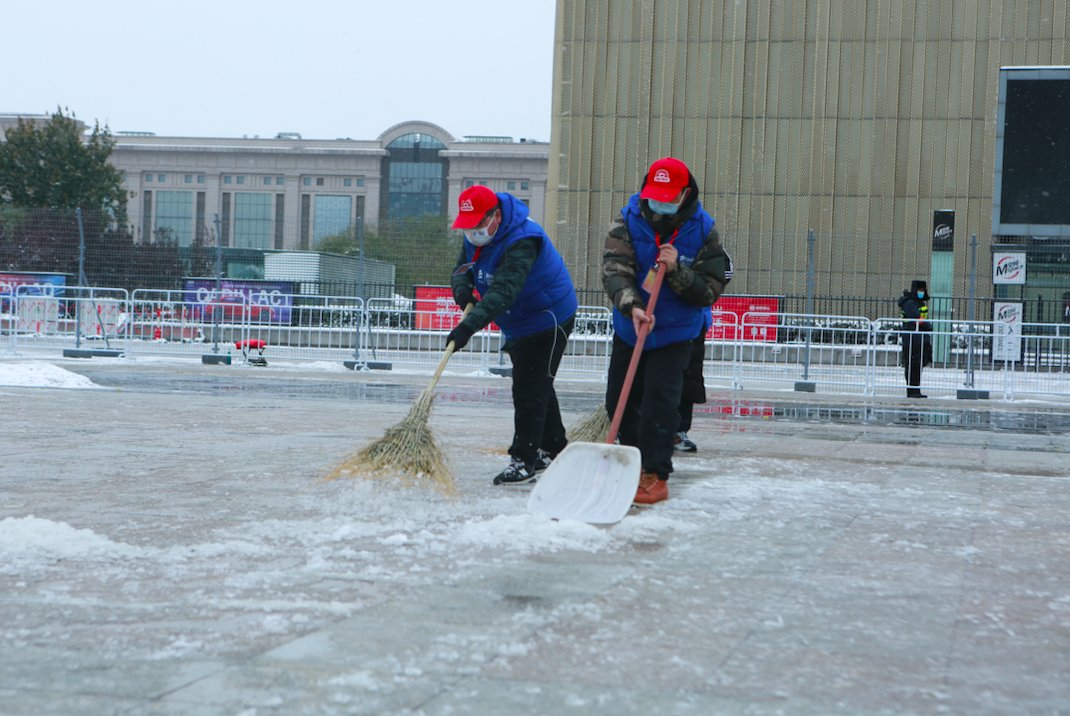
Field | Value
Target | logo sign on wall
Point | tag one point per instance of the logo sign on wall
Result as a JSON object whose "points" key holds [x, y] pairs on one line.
{"points": [[1007, 338], [1008, 268], [944, 230]]}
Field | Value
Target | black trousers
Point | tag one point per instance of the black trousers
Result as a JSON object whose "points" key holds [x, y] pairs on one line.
{"points": [[651, 413], [694, 387], [536, 412], [913, 358]]}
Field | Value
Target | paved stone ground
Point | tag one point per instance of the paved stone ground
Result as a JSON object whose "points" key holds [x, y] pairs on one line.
{"points": [[817, 557]]}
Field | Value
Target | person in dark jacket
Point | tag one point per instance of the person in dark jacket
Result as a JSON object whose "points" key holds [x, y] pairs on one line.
{"points": [[915, 338], [664, 223], [509, 269], [694, 388]]}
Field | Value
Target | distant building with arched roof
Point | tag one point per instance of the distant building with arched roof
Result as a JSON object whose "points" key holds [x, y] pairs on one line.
{"points": [[287, 192]]}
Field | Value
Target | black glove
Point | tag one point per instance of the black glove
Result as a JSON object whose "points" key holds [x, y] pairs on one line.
{"points": [[459, 336], [462, 296]]}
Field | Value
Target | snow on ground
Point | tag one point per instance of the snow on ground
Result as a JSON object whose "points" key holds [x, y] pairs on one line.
{"points": [[177, 550], [40, 374]]}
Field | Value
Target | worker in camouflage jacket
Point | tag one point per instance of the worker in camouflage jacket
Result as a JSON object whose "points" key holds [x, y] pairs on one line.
{"points": [[663, 223]]}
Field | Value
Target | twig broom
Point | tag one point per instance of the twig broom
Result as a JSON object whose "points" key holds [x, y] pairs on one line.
{"points": [[590, 429], [408, 448]]}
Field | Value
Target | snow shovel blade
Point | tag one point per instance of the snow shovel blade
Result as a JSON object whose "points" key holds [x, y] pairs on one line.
{"points": [[589, 482]]}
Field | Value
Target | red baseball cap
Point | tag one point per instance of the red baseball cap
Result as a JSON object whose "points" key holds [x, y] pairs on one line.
{"points": [[665, 179], [474, 203]]}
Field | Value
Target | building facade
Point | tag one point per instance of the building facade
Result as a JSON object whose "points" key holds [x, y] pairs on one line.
{"points": [[287, 192], [857, 120]]}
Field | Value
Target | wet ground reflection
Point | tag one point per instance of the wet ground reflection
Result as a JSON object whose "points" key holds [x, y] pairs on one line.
{"points": [[975, 416], [1003, 417]]}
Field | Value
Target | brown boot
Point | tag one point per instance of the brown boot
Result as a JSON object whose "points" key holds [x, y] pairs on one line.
{"points": [[651, 489]]}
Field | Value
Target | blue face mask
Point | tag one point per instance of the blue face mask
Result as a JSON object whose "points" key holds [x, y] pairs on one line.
{"points": [[921, 294], [663, 207]]}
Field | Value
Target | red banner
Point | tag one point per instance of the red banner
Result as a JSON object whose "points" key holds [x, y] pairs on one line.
{"points": [[436, 311], [762, 317]]}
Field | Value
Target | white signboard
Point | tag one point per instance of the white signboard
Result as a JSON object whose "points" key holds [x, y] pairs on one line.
{"points": [[1008, 268], [1007, 331]]}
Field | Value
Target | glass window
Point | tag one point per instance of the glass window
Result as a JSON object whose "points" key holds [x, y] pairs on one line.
{"points": [[279, 181], [510, 185], [523, 186], [241, 179], [347, 182], [307, 181], [174, 217], [331, 216], [415, 188], [319, 181], [148, 178], [415, 180], [267, 181], [200, 178], [226, 179], [253, 218], [161, 177], [360, 181], [416, 139], [188, 179]]}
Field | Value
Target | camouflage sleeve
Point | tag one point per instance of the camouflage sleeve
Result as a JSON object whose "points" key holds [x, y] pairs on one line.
{"points": [[619, 269], [510, 275], [703, 281]]}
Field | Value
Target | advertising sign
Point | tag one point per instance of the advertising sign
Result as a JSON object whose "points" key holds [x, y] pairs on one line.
{"points": [[29, 284], [1008, 268], [1007, 339], [267, 301], [436, 311], [752, 318], [944, 230]]}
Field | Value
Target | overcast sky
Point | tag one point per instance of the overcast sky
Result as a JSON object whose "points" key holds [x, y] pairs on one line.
{"points": [[324, 68]]}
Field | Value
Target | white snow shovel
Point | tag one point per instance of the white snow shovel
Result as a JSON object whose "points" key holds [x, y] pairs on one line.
{"points": [[596, 482]]}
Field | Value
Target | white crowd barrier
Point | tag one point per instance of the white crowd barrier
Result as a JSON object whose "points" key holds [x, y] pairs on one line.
{"points": [[830, 354]]}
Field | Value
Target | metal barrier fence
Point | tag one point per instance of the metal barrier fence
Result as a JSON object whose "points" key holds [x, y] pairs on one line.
{"points": [[787, 351]]}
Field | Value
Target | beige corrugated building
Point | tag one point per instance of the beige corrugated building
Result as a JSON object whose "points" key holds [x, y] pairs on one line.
{"points": [[854, 118]]}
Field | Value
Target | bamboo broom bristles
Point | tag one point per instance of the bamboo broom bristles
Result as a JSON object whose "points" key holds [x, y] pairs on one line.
{"points": [[591, 429], [408, 449]]}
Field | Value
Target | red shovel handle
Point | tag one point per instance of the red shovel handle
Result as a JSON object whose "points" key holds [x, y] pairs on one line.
{"points": [[637, 353]]}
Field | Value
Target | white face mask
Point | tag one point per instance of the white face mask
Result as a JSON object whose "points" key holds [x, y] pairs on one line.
{"points": [[480, 237]]}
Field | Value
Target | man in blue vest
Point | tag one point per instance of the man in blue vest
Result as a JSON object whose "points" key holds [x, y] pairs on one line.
{"points": [[662, 224], [524, 287]]}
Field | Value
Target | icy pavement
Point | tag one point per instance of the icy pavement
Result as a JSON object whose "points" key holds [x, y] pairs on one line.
{"points": [[166, 547]]}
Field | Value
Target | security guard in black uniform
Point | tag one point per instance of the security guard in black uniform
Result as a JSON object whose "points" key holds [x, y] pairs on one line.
{"points": [[916, 342]]}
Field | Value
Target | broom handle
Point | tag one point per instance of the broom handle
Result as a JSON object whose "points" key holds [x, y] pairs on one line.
{"points": [[450, 350], [637, 353]]}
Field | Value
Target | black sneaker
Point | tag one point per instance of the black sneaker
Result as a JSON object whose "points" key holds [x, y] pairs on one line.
{"points": [[542, 461], [683, 443], [517, 472]]}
